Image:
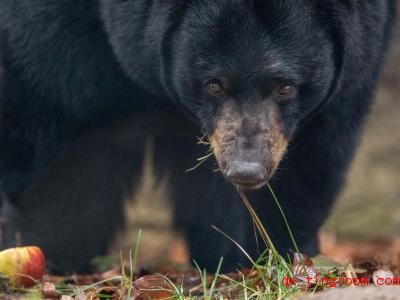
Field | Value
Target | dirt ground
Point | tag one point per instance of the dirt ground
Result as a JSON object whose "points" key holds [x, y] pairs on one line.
{"points": [[370, 293]]}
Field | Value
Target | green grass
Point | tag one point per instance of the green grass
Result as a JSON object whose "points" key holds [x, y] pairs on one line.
{"points": [[263, 281]]}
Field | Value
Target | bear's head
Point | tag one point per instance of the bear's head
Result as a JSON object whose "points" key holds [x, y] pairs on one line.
{"points": [[248, 72]]}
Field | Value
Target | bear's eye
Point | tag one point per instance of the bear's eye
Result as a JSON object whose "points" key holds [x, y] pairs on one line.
{"points": [[215, 88], [286, 90]]}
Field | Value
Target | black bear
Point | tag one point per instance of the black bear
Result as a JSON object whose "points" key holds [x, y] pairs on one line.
{"points": [[280, 88]]}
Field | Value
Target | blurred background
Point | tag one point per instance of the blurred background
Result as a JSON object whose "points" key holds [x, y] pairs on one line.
{"points": [[368, 212]]}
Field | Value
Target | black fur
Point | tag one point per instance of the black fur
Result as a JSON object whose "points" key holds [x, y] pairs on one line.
{"points": [[70, 66]]}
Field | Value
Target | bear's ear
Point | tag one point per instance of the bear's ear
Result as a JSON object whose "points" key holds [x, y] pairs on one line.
{"points": [[341, 29]]}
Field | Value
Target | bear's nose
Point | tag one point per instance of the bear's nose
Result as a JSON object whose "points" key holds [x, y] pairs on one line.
{"points": [[246, 174]]}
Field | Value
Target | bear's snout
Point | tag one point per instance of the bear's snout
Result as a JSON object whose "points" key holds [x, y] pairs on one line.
{"points": [[246, 175], [248, 142]]}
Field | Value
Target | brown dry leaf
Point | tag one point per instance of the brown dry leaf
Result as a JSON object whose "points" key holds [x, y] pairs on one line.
{"points": [[110, 274], [303, 269], [188, 279], [153, 287], [249, 273], [53, 278], [228, 278], [369, 266], [112, 293], [49, 290], [83, 279], [300, 258]]}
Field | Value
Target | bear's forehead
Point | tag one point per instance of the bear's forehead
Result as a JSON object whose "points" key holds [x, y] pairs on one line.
{"points": [[263, 57], [234, 14], [232, 28]]}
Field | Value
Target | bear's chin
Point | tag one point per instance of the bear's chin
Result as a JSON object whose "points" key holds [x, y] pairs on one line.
{"points": [[250, 187]]}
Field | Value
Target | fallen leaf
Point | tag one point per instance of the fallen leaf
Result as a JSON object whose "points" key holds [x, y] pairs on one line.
{"points": [[303, 269], [153, 287], [49, 290]]}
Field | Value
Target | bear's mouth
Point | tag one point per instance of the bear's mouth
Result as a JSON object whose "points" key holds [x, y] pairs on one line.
{"points": [[249, 186], [251, 176], [246, 175]]}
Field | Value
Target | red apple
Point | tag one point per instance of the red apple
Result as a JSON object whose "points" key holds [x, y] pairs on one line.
{"points": [[22, 265]]}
